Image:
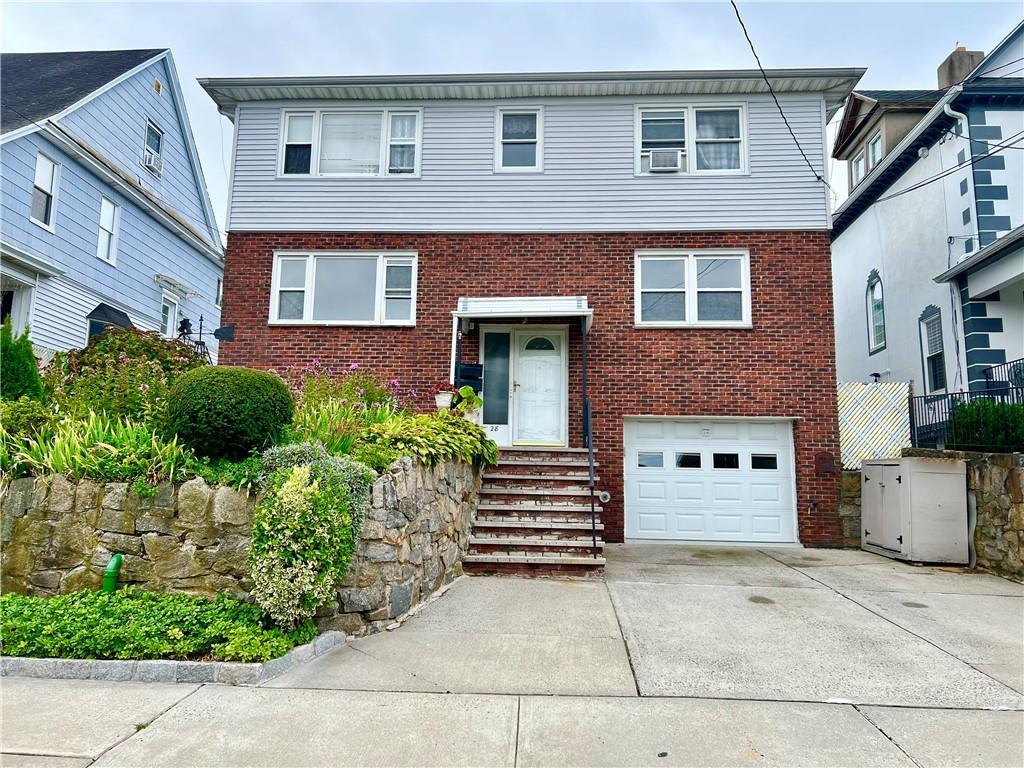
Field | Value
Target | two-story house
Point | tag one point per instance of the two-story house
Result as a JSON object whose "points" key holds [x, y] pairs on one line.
{"points": [[105, 216], [927, 252], [634, 262]]}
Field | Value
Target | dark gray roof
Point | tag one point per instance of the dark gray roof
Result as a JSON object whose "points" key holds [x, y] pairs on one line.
{"points": [[34, 86], [905, 96]]}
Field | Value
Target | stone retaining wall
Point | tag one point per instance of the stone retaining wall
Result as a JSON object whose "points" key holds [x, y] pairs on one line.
{"points": [[849, 507], [57, 536]]}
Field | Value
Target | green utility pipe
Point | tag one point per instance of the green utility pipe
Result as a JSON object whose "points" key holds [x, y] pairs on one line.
{"points": [[110, 573]]}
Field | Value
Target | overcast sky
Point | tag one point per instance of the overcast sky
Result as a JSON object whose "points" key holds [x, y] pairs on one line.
{"points": [[901, 44]]}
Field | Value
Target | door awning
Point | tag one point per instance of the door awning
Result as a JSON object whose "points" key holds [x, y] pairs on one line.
{"points": [[524, 306]]}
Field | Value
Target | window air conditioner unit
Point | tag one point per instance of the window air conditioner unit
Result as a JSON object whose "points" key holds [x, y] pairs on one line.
{"points": [[666, 160], [152, 161]]}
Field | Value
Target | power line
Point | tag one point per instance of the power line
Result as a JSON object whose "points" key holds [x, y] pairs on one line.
{"points": [[969, 162], [775, 98]]}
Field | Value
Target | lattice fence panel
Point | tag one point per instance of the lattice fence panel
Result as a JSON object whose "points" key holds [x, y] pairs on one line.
{"points": [[874, 421]]}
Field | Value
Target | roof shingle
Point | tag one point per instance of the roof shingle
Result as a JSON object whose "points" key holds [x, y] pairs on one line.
{"points": [[34, 86]]}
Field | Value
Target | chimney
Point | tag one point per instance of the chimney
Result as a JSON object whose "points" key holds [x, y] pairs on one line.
{"points": [[958, 65]]}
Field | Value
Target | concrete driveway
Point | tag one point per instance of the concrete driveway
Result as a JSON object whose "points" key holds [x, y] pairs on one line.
{"points": [[683, 656]]}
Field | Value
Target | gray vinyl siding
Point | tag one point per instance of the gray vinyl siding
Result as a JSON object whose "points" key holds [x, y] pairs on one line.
{"points": [[588, 182]]}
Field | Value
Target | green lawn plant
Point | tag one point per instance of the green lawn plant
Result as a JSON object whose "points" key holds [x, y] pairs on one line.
{"points": [[19, 372], [435, 438], [228, 411], [304, 532], [128, 624], [987, 425]]}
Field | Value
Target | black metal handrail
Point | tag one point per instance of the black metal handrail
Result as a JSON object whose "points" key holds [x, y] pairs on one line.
{"points": [[1009, 374], [588, 439], [934, 424]]}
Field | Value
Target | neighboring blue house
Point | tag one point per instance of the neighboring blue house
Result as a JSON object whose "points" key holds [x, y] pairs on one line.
{"points": [[105, 217]]}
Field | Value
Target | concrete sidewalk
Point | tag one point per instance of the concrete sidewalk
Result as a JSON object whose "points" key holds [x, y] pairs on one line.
{"points": [[685, 656]]}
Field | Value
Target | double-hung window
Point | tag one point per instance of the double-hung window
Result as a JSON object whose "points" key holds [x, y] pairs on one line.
{"points": [[874, 150], [153, 147], [168, 316], [931, 345], [106, 245], [858, 168], [708, 139], [519, 142], [356, 142], [44, 191], [344, 288], [692, 288], [876, 314]]}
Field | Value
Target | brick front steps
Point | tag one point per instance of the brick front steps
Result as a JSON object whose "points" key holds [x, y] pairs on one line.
{"points": [[534, 517]]}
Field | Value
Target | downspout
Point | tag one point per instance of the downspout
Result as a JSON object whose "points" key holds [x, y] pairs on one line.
{"points": [[110, 573], [954, 292]]}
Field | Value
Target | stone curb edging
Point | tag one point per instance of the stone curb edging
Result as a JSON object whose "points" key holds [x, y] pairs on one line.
{"points": [[170, 670]]}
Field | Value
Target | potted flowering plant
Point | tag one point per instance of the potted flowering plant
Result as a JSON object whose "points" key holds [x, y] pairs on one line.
{"points": [[469, 403], [443, 393]]}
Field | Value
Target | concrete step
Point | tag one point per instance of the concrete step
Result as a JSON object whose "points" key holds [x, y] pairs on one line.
{"points": [[540, 477], [528, 542], [542, 449], [524, 507], [504, 461], [497, 558]]}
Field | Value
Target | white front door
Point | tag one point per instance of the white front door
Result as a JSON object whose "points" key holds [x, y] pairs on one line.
{"points": [[713, 480], [539, 388]]}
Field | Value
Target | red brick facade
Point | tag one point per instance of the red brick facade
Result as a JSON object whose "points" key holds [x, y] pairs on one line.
{"points": [[783, 366]]}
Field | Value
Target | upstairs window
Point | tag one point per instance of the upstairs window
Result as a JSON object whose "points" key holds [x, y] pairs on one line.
{"points": [[298, 143], [707, 139], [675, 288], [876, 314], [344, 288], [44, 192], [857, 168], [875, 150], [106, 246], [168, 316], [351, 143], [152, 150], [218, 298], [931, 347], [519, 146]]}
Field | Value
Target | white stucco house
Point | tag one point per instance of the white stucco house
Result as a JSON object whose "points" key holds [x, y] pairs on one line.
{"points": [[927, 251]]}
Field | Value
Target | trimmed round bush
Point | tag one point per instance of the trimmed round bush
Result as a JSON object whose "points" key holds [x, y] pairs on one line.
{"points": [[226, 411]]}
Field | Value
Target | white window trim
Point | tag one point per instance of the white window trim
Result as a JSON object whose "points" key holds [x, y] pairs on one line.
{"points": [[307, 308], [145, 147], [170, 298], [52, 226], [115, 236], [922, 331], [385, 133], [863, 157], [218, 295], [690, 287], [874, 345], [691, 109], [868, 165], [499, 113]]}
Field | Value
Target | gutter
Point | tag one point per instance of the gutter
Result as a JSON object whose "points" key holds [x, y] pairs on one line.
{"points": [[924, 124], [123, 183]]}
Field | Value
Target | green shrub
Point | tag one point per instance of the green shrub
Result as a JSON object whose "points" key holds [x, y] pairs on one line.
{"points": [[292, 455], [141, 625], [246, 475], [987, 425], [316, 382], [336, 423], [121, 372], [19, 372], [434, 438], [304, 532], [378, 456], [25, 417], [223, 411], [103, 449]]}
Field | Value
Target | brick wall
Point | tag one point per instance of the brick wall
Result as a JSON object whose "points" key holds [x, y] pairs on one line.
{"points": [[783, 366]]}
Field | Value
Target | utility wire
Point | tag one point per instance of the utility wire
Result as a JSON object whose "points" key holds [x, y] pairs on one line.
{"points": [[969, 162], [775, 98]]}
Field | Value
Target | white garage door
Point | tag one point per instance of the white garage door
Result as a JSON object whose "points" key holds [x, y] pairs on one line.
{"points": [[709, 480]]}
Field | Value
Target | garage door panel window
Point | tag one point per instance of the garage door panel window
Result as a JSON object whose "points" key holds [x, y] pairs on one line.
{"points": [[688, 289], [650, 459], [726, 461], [764, 461], [688, 461], [359, 288]]}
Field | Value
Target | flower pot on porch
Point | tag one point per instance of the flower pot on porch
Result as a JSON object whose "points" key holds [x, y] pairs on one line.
{"points": [[443, 400]]}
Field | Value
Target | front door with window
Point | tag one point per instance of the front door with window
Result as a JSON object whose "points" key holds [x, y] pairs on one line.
{"points": [[525, 387]]}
